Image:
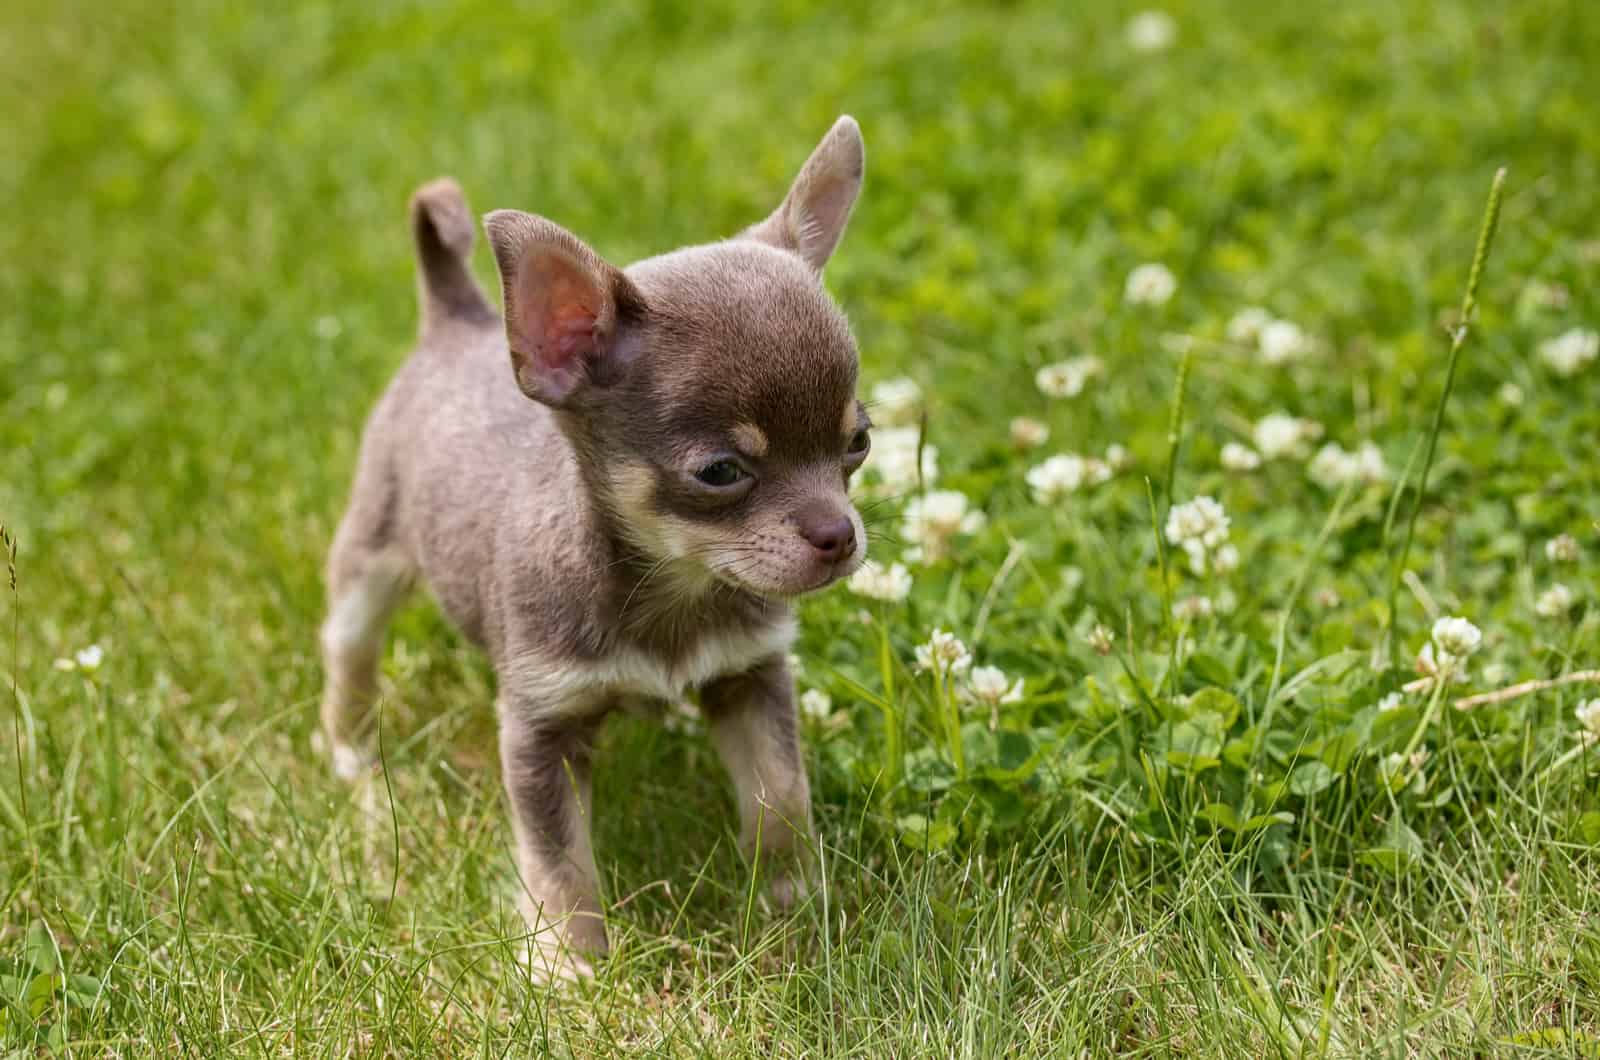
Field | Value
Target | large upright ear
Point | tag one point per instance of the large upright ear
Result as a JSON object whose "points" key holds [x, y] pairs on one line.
{"points": [[813, 215], [568, 312]]}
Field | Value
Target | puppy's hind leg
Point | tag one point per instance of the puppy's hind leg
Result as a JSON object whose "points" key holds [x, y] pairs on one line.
{"points": [[367, 579]]}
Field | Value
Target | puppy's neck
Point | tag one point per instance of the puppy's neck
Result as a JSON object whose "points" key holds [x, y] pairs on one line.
{"points": [[666, 606]]}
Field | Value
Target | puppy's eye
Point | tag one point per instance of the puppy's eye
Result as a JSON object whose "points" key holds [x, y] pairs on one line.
{"points": [[720, 473], [859, 443]]}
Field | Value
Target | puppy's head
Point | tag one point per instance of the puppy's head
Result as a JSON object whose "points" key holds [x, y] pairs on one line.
{"points": [[709, 392]]}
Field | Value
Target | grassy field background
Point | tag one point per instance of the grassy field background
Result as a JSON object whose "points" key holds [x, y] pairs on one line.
{"points": [[207, 280]]}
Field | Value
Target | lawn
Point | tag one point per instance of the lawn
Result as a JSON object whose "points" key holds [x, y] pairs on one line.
{"points": [[1225, 813]]}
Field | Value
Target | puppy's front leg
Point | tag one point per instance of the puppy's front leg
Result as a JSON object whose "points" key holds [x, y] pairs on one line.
{"points": [[753, 724], [546, 766]]}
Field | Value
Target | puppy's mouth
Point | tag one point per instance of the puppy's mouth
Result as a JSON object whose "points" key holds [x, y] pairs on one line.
{"points": [[783, 584]]}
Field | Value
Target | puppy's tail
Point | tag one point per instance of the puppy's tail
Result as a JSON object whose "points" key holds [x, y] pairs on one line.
{"points": [[442, 226]]}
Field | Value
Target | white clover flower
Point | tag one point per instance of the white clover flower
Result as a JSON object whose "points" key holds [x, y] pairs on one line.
{"points": [[1495, 673], [1457, 636], [1326, 597], [1555, 601], [893, 460], [1028, 433], [1444, 657], [1151, 31], [1192, 607], [1236, 457], [1277, 341], [1588, 715], [1333, 467], [1057, 477], [1117, 458], [943, 653], [1510, 394], [1563, 548], [932, 519], [877, 582], [1150, 284], [1201, 519], [1223, 560], [1370, 467], [87, 660], [1392, 701], [816, 703], [1440, 665], [988, 684], [1227, 601], [1066, 379], [1280, 434], [1568, 352], [896, 402], [1245, 325], [1100, 639], [1281, 341], [329, 328]]}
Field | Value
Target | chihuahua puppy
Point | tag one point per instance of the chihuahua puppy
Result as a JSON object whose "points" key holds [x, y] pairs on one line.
{"points": [[615, 490]]}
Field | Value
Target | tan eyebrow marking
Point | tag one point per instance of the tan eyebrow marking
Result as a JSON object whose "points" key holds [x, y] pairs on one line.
{"points": [[852, 419], [751, 440]]}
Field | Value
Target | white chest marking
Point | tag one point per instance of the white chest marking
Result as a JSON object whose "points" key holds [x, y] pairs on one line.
{"points": [[558, 686]]}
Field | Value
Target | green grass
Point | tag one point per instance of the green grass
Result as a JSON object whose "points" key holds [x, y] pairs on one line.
{"points": [[207, 281]]}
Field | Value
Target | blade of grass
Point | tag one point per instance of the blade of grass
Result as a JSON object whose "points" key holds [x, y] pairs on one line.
{"points": [[1175, 421], [8, 544], [1166, 582], [1458, 339]]}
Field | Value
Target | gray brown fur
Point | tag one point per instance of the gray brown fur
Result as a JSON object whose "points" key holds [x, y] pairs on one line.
{"points": [[547, 478]]}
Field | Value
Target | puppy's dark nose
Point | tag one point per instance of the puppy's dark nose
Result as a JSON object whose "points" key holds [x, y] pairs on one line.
{"points": [[833, 536]]}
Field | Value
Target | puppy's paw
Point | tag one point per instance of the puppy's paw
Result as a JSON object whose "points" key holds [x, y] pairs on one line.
{"points": [[786, 890], [563, 950], [551, 962], [350, 764]]}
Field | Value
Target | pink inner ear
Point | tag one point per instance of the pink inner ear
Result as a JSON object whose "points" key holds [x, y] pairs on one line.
{"points": [[570, 332], [560, 305]]}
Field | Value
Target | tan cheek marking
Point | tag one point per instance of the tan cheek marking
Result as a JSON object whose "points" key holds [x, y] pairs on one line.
{"points": [[705, 547], [631, 484], [631, 488], [751, 440]]}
